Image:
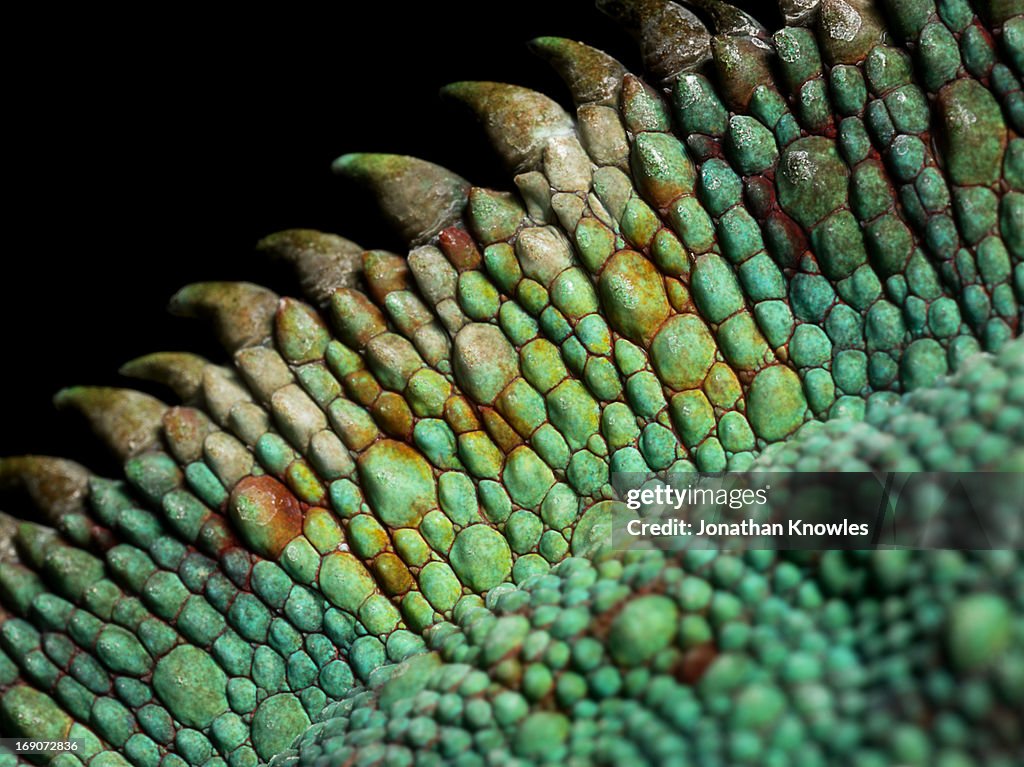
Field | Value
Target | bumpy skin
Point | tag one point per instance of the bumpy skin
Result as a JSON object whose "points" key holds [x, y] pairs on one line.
{"points": [[377, 537]]}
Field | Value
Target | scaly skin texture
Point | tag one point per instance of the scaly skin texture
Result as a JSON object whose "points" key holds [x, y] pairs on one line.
{"points": [[377, 537]]}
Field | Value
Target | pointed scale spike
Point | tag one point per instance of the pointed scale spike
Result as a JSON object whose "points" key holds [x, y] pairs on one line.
{"points": [[126, 420], [518, 121], [242, 313], [596, 82], [593, 77], [181, 372], [56, 486], [672, 39], [727, 19], [419, 198], [321, 261]]}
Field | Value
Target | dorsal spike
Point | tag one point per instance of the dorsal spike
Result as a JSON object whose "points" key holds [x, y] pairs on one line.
{"points": [[181, 372], [321, 261], [593, 77], [518, 121], [672, 39], [242, 313], [55, 486], [128, 421], [727, 19], [418, 197]]}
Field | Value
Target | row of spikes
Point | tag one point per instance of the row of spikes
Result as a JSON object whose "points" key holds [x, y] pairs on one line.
{"points": [[422, 198], [243, 314]]}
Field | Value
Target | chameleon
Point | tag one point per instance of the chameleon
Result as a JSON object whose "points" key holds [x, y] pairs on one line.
{"points": [[378, 534]]}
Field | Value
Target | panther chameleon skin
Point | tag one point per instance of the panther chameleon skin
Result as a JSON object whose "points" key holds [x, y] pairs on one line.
{"points": [[379, 531]]}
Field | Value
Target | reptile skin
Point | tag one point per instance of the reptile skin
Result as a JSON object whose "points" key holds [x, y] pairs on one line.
{"points": [[378, 535]]}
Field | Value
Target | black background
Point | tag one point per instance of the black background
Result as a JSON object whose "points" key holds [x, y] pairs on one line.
{"points": [[144, 153]]}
